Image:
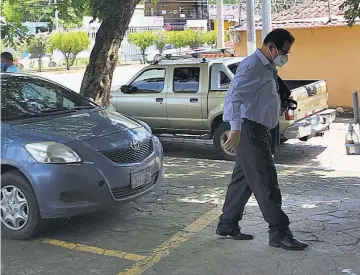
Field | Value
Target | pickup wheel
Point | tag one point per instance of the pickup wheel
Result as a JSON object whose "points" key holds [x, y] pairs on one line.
{"points": [[220, 137]]}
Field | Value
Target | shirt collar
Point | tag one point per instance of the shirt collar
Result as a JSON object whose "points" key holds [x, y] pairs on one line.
{"points": [[262, 57]]}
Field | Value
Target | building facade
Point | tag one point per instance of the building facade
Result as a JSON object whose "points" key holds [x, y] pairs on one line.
{"points": [[177, 14]]}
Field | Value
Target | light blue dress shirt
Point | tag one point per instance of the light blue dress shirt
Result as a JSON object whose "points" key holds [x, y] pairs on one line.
{"points": [[13, 69], [253, 93]]}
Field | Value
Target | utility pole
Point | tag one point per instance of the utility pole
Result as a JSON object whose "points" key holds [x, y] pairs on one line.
{"points": [[251, 31], [220, 24], [56, 17], [266, 18]]}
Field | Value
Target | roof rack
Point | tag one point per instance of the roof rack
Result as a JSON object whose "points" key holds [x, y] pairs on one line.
{"points": [[196, 54]]}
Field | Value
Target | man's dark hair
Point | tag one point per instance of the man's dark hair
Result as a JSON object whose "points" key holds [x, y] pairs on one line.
{"points": [[279, 37], [7, 56]]}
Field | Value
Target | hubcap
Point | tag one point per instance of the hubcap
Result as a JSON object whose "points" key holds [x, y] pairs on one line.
{"points": [[14, 208], [223, 139]]}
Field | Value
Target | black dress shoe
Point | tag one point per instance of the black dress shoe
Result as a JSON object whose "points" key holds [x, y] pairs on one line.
{"points": [[286, 240], [235, 234]]}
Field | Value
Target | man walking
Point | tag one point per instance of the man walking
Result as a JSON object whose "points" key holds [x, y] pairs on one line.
{"points": [[7, 63], [253, 106]]}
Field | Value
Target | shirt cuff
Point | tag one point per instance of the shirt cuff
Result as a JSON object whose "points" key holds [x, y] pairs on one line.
{"points": [[235, 125]]}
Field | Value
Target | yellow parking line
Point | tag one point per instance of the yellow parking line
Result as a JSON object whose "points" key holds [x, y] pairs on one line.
{"points": [[175, 241], [96, 250]]}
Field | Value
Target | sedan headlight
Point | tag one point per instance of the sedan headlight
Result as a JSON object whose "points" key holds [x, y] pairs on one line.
{"points": [[52, 152]]}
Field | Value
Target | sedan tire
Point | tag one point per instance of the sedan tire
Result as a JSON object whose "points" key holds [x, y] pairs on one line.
{"points": [[20, 216]]}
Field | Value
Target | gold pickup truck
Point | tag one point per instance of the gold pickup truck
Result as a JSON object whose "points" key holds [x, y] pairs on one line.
{"points": [[185, 97]]}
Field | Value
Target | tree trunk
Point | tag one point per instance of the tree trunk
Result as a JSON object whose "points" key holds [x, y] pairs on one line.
{"points": [[99, 72], [39, 64], [68, 64]]}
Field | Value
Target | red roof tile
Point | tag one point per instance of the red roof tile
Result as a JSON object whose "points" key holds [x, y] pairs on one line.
{"points": [[314, 14]]}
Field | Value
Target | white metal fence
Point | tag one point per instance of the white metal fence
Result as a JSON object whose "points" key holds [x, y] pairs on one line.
{"points": [[128, 51]]}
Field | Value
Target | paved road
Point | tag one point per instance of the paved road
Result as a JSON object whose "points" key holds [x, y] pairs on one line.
{"points": [[73, 80], [171, 231]]}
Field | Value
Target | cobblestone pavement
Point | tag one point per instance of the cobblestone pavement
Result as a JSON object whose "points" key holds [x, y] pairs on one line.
{"points": [[171, 231]]}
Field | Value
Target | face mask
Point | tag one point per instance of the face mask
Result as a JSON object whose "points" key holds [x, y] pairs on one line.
{"points": [[280, 60], [3, 65]]}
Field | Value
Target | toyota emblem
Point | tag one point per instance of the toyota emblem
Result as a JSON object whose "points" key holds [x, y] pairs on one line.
{"points": [[135, 145]]}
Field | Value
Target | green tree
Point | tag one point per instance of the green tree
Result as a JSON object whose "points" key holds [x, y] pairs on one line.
{"points": [[13, 34], [178, 38], [143, 40], [160, 40], [38, 48], [352, 10], [210, 37], [195, 38], [70, 44], [15, 12]]}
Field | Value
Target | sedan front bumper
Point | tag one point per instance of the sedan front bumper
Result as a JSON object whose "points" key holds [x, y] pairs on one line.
{"points": [[74, 189]]}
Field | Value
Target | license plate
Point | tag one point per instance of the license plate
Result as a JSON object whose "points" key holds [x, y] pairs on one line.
{"points": [[140, 178], [305, 131]]}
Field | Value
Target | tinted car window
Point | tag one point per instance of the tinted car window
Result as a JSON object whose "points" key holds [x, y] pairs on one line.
{"points": [[224, 81], [186, 79], [26, 97], [150, 81], [233, 67]]}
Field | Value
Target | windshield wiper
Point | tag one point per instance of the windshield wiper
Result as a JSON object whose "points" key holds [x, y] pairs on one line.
{"points": [[23, 116], [66, 109], [55, 110], [84, 107]]}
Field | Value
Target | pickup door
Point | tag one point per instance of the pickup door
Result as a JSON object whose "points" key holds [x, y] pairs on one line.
{"points": [[187, 96], [148, 100]]}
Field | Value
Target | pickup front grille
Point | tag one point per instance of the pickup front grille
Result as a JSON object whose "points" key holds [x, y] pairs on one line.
{"points": [[120, 193], [130, 155]]}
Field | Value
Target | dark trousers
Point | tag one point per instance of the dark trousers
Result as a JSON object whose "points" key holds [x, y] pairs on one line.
{"points": [[254, 172]]}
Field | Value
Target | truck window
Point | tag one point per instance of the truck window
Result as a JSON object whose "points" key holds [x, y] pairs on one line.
{"points": [[186, 79], [150, 81], [224, 81], [233, 67]]}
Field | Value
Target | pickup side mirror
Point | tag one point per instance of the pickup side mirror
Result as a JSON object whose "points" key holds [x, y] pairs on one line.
{"points": [[125, 89]]}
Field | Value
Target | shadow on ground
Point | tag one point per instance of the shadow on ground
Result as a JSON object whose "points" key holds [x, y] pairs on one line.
{"points": [[301, 153]]}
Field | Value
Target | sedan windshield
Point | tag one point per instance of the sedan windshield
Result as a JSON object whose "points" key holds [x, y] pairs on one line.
{"points": [[26, 97]]}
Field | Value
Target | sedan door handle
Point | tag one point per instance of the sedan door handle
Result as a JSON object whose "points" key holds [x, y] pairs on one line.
{"points": [[159, 99], [194, 100]]}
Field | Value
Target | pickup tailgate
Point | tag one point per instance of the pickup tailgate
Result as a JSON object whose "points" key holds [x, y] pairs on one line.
{"points": [[311, 96]]}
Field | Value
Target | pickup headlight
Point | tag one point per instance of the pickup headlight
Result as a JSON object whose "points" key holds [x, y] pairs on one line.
{"points": [[52, 152], [147, 127]]}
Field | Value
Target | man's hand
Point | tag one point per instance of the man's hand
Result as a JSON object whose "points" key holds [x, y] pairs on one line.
{"points": [[232, 141]]}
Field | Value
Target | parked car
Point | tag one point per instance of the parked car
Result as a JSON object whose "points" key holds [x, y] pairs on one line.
{"points": [[187, 95], [62, 155]]}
